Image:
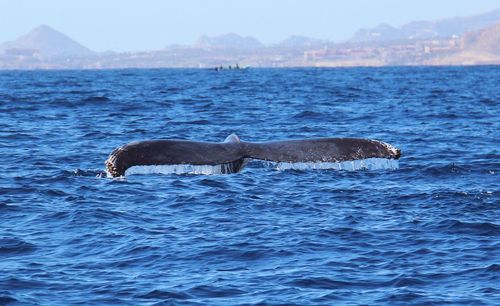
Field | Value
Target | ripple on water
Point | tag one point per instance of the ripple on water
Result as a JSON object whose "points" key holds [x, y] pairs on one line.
{"points": [[421, 231], [15, 246]]}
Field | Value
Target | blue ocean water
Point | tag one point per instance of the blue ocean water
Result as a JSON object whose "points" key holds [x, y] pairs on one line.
{"points": [[425, 233]]}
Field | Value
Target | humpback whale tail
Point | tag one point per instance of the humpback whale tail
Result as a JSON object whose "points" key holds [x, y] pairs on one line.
{"points": [[233, 153]]}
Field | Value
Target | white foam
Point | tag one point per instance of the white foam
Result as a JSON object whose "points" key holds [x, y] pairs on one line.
{"points": [[363, 164]]}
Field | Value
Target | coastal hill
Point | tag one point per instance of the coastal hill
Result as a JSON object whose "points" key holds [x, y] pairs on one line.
{"points": [[478, 47], [46, 42], [297, 41], [487, 40], [427, 29]]}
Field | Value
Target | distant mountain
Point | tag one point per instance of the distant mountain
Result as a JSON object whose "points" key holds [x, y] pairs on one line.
{"points": [[480, 47], [428, 29], [296, 41], [47, 42], [228, 41], [486, 40]]}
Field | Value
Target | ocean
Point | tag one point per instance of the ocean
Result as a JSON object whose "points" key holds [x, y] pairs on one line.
{"points": [[424, 232]]}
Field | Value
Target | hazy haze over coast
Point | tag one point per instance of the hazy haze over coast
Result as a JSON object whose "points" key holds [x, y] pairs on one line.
{"points": [[195, 34], [134, 26]]}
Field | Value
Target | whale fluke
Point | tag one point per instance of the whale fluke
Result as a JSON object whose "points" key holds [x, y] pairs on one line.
{"points": [[233, 152]]}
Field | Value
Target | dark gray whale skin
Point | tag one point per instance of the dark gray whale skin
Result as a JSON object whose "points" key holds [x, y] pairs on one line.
{"points": [[233, 152]]}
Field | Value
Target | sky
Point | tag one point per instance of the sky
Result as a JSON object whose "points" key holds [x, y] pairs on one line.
{"points": [[133, 25]]}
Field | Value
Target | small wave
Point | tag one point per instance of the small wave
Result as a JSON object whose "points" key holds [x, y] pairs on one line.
{"points": [[406, 281], [165, 295], [7, 207], [5, 300], [96, 99], [194, 122], [15, 246], [215, 292], [308, 115], [488, 101], [402, 297], [474, 228], [323, 283], [170, 90]]}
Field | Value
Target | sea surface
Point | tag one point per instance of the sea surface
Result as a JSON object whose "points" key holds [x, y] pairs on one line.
{"points": [[425, 232]]}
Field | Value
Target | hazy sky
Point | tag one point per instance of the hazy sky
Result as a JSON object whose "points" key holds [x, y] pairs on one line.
{"points": [[121, 25]]}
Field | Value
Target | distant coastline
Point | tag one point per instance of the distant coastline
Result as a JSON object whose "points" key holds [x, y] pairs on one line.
{"points": [[460, 41]]}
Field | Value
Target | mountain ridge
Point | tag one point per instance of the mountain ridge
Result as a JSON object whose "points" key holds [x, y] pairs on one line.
{"points": [[47, 42], [445, 27], [46, 48]]}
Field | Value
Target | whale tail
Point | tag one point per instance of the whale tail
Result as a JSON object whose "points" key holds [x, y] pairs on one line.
{"points": [[322, 150], [232, 154]]}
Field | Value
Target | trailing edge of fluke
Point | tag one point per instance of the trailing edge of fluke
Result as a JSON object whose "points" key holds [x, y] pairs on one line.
{"points": [[233, 152]]}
